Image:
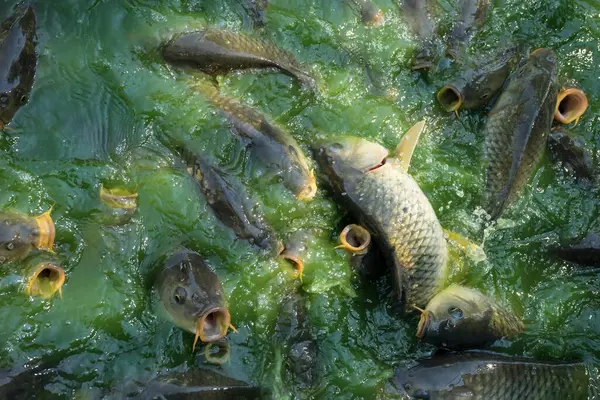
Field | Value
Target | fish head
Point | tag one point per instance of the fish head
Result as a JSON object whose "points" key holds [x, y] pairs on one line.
{"points": [[343, 156], [17, 64], [17, 236], [544, 59], [454, 317], [192, 295]]}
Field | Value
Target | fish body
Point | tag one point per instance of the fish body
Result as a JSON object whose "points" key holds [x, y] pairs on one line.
{"points": [[387, 201], [369, 12], [572, 153], [517, 129], [459, 317], [472, 15], [586, 252], [18, 62], [229, 201], [276, 149], [484, 376], [216, 51], [19, 234], [192, 295], [417, 17]]}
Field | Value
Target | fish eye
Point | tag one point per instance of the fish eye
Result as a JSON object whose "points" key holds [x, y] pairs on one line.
{"points": [[407, 386], [485, 94], [3, 98], [550, 58], [10, 246], [23, 99], [336, 147], [455, 312], [179, 295]]}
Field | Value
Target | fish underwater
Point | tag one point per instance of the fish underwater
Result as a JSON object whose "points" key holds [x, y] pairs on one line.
{"points": [[417, 17], [18, 62], [517, 129], [19, 234], [216, 51], [192, 296], [369, 12], [473, 14], [572, 153], [483, 375], [460, 317], [378, 191], [586, 252], [275, 148]]}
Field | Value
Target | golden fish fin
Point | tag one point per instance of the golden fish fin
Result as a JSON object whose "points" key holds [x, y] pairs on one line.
{"points": [[471, 249], [406, 147]]}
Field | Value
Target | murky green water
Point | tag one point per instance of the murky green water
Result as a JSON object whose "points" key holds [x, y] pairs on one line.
{"points": [[101, 104]]}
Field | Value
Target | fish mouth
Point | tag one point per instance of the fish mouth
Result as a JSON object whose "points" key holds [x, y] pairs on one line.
{"points": [[295, 260], [450, 98], [118, 198], [355, 239], [570, 105], [45, 281], [423, 323], [309, 191], [221, 356], [212, 325], [46, 230]]}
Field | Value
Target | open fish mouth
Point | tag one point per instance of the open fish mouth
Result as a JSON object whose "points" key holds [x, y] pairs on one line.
{"points": [[570, 105], [295, 260], [309, 191], [46, 230], [450, 98], [212, 326], [423, 323], [45, 281], [355, 239]]}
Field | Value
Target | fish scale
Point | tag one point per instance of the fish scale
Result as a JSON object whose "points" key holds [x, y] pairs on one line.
{"points": [[414, 236]]}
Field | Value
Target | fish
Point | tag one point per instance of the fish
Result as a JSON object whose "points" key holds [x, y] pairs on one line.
{"points": [[473, 14], [369, 12], [44, 279], [477, 86], [355, 239], [192, 296], [18, 62], [19, 234], [517, 129], [231, 204], [571, 104], [378, 192], [275, 148], [460, 317], [296, 249], [256, 10], [585, 252], [218, 51], [119, 205], [486, 375], [417, 17], [200, 383], [300, 348], [572, 153]]}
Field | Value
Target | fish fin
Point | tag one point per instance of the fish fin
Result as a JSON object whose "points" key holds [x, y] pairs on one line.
{"points": [[407, 145]]}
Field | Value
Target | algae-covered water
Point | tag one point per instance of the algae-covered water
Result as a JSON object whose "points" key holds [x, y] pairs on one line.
{"points": [[102, 104]]}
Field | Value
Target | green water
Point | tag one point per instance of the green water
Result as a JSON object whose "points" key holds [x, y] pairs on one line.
{"points": [[102, 103]]}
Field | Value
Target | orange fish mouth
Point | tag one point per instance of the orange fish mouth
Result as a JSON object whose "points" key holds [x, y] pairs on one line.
{"points": [[212, 326], [309, 191], [450, 98], [355, 239], [45, 281], [295, 260], [46, 230], [423, 323], [570, 105]]}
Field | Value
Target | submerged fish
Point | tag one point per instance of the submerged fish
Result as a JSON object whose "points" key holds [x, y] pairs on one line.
{"points": [[517, 129], [17, 62], [120, 205], [385, 199], [459, 317], [216, 51], [369, 12], [296, 249], [482, 375], [19, 234], [417, 17], [300, 348], [275, 148], [231, 204], [585, 252], [192, 295], [473, 14], [572, 153], [477, 86]]}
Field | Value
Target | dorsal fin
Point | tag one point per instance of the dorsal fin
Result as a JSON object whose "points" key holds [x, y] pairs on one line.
{"points": [[406, 147]]}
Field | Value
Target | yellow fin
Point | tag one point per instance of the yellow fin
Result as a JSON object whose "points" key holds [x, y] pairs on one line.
{"points": [[407, 145]]}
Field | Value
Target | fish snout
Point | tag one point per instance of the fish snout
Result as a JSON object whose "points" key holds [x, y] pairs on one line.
{"points": [[570, 105], [450, 98], [213, 325]]}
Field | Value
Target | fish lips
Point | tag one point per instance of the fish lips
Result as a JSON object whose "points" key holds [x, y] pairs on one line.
{"points": [[212, 324]]}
